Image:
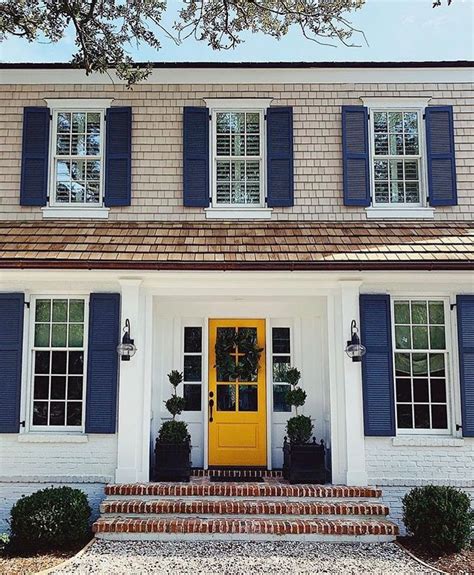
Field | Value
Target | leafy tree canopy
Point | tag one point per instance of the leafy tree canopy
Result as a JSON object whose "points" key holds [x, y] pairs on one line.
{"points": [[105, 30]]}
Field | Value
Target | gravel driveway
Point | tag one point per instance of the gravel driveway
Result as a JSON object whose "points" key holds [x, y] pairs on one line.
{"points": [[242, 558]]}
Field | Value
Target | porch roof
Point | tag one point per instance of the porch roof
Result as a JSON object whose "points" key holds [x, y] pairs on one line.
{"points": [[317, 245]]}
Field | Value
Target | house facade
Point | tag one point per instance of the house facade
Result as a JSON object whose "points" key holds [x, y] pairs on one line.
{"points": [[284, 201]]}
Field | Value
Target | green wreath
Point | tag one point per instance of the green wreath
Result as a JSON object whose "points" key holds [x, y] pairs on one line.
{"points": [[246, 368]]}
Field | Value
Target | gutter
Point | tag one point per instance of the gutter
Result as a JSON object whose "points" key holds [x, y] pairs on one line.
{"points": [[430, 265]]}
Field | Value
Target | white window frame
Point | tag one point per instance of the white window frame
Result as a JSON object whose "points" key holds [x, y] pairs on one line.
{"points": [[46, 429], [421, 209], [238, 211], [55, 209], [448, 351]]}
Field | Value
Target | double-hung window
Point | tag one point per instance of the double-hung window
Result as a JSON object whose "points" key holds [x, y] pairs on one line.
{"points": [[421, 365], [397, 158], [78, 144], [58, 363], [238, 158]]}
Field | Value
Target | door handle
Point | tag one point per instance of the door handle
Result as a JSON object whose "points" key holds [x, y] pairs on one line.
{"points": [[211, 405]]}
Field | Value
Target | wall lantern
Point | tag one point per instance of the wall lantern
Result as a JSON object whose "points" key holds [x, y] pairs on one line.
{"points": [[354, 349], [127, 348]]}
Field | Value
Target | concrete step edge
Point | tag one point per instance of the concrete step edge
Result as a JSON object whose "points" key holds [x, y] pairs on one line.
{"points": [[252, 525]]}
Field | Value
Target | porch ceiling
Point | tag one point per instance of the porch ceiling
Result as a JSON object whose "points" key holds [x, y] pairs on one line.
{"points": [[237, 246]]}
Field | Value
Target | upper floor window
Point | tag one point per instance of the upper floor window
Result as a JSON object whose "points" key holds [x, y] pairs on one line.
{"points": [[238, 158], [397, 158], [77, 157]]}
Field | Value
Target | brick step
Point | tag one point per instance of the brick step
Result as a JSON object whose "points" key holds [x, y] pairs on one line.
{"points": [[237, 472], [240, 507], [239, 490], [195, 528]]}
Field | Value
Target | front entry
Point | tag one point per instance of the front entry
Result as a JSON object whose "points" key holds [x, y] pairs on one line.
{"points": [[237, 398]]}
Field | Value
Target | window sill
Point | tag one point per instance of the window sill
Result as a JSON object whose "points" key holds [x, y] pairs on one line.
{"points": [[238, 213], [52, 438], [400, 213], [75, 213], [427, 441]]}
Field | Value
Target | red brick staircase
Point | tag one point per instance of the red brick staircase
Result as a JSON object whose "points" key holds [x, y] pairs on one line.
{"points": [[270, 510]]}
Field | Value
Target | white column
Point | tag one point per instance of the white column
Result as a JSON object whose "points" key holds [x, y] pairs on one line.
{"points": [[133, 406], [345, 378], [354, 414]]}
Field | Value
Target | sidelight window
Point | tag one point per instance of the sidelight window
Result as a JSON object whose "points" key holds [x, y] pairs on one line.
{"points": [[192, 368]]}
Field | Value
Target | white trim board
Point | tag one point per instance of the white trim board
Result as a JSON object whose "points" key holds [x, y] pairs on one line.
{"points": [[248, 76], [81, 103]]}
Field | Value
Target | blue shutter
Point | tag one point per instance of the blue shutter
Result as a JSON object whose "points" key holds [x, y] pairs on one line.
{"points": [[11, 347], [118, 157], [355, 156], [377, 365], [440, 154], [102, 362], [465, 315], [196, 189], [34, 161], [280, 180]]}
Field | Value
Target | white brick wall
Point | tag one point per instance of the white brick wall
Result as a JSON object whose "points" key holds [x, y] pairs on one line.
{"points": [[27, 467], [11, 492], [397, 465]]}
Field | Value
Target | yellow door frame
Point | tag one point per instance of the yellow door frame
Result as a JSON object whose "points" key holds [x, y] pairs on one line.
{"points": [[235, 437]]}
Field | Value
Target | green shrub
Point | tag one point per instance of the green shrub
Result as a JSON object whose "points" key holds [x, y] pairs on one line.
{"points": [[296, 397], [175, 404], [50, 518], [439, 517], [173, 432], [299, 429]]}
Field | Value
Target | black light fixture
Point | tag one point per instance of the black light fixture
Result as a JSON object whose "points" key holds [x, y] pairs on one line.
{"points": [[127, 348], [354, 349]]}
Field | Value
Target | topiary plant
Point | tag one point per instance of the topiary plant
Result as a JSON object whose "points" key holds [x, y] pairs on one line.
{"points": [[55, 517], [299, 428], [439, 517], [174, 431]]}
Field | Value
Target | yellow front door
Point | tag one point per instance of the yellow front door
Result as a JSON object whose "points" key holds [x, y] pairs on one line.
{"points": [[237, 408]]}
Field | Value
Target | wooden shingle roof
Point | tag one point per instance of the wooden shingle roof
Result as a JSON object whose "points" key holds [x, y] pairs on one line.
{"points": [[237, 245]]}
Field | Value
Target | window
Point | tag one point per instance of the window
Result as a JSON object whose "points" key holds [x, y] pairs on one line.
{"points": [[192, 368], [77, 158], [58, 364], [281, 361], [421, 364], [396, 158], [238, 158]]}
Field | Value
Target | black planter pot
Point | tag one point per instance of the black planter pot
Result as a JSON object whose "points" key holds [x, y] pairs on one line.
{"points": [[304, 463], [172, 461]]}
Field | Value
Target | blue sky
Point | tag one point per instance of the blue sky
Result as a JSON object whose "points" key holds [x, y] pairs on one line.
{"points": [[395, 30]]}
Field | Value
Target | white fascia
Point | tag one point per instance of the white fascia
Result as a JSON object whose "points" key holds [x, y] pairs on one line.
{"points": [[79, 103], [393, 102], [238, 103]]}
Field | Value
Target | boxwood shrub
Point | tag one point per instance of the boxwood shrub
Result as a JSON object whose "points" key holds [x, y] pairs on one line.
{"points": [[56, 517], [439, 517]]}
